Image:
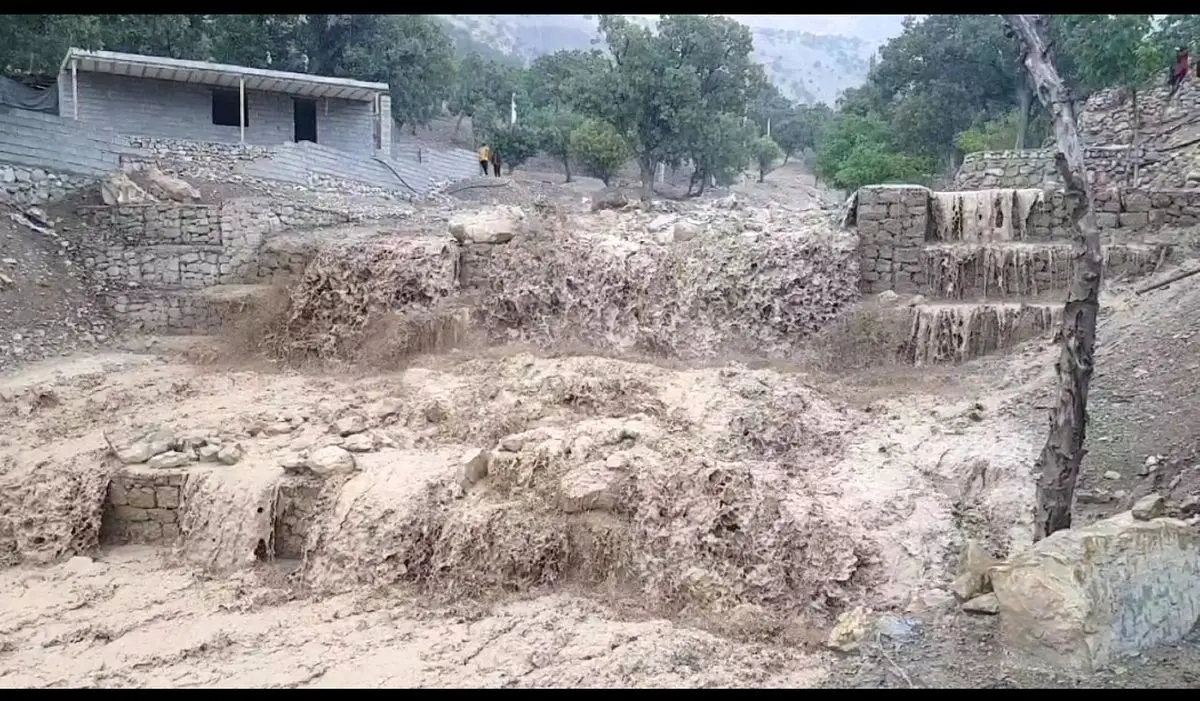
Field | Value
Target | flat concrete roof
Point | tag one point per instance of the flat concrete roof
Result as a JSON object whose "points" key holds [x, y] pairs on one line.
{"points": [[221, 75]]}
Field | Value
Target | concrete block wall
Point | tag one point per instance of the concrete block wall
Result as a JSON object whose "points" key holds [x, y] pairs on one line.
{"points": [[146, 507], [36, 145], [171, 109]]}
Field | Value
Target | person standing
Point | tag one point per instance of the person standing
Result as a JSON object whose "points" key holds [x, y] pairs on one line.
{"points": [[1179, 71], [485, 156], [496, 163]]}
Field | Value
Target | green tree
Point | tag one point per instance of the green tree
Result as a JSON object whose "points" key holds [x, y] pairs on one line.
{"points": [[765, 153], [468, 90], [599, 149], [720, 149], [801, 129], [554, 128], [663, 90], [1113, 51], [858, 151], [516, 143]]}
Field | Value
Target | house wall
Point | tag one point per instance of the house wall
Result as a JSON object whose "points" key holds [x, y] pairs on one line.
{"points": [[158, 108]]}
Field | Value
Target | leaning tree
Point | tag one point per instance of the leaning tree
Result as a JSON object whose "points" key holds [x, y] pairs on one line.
{"points": [[1060, 457]]}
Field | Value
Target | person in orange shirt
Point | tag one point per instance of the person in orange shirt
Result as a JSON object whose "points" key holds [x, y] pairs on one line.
{"points": [[485, 157]]}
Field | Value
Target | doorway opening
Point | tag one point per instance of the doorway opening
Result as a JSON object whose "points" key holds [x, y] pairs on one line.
{"points": [[306, 120]]}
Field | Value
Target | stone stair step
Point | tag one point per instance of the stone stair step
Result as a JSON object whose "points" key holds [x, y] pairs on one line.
{"points": [[1025, 269], [955, 332]]}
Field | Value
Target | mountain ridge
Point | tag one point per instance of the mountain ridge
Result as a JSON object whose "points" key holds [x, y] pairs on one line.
{"points": [[808, 66]]}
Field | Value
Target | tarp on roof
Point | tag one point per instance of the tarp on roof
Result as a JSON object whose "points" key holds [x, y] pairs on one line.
{"points": [[15, 94]]}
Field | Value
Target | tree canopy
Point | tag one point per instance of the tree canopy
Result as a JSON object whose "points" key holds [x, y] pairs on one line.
{"points": [[687, 91]]}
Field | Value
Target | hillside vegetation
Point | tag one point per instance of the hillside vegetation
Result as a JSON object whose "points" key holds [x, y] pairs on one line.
{"points": [[691, 90]]}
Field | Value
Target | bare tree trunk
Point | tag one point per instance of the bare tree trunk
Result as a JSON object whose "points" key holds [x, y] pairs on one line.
{"points": [[647, 167], [1063, 452], [1024, 104], [458, 124]]}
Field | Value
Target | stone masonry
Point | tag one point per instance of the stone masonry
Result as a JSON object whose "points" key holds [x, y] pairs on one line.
{"points": [[143, 507], [155, 259], [902, 249]]}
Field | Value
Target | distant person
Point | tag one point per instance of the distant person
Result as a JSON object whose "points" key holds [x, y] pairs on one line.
{"points": [[1179, 71], [496, 163], [485, 157]]}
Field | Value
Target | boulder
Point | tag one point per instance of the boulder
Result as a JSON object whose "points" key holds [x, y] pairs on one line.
{"points": [[473, 467], [498, 225], [331, 460], [118, 189], [138, 446], [1085, 596], [169, 187], [590, 487]]}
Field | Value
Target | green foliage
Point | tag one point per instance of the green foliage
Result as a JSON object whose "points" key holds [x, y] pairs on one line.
{"points": [[801, 129], [554, 128], [993, 135], [858, 151], [599, 149], [1112, 50], [516, 143], [765, 152]]}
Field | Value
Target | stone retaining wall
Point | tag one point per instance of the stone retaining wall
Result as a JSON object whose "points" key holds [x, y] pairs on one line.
{"points": [[1006, 242], [1035, 168], [171, 245], [143, 507]]}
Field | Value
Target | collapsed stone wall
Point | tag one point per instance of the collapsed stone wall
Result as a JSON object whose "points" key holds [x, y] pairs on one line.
{"points": [[37, 186], [1034, 168]]}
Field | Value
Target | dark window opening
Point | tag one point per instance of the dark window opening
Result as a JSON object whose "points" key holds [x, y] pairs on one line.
{"points": [[225, 108], [306, 120]]}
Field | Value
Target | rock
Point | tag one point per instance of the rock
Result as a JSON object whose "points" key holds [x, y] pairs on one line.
{"points": [[662, 222], [169, 187], [686, 231], [209, 452], [1149, 507], [229, 454], [473, 467], [973, 578], [610, 198], [349, 425], [887, 297], [728, 202], [986, 604], [118, 189], [849, 630], [294, 464], [168, 459], [359, 443], [1085, 595], [1112, 475], [331, 460], [590, 487], [139, 446], [499, 225]]}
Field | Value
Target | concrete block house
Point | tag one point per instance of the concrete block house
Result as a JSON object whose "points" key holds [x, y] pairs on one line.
{"points": [[201, 101]]}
